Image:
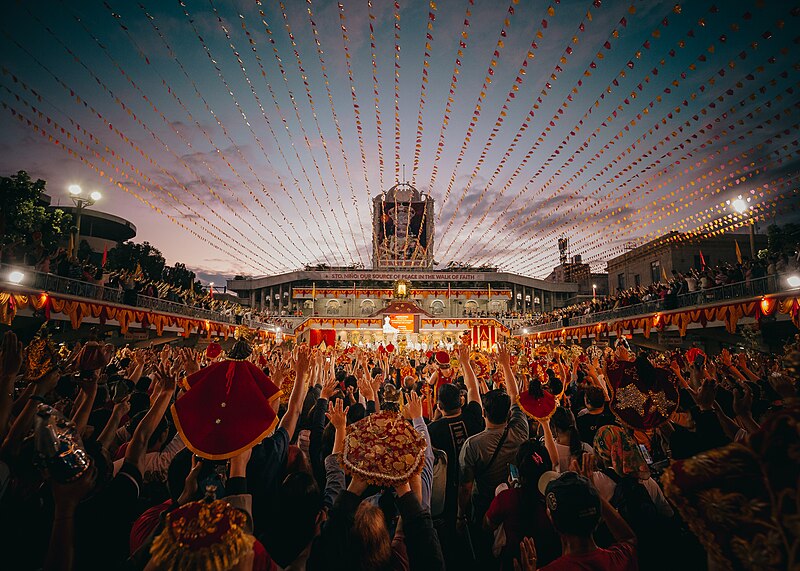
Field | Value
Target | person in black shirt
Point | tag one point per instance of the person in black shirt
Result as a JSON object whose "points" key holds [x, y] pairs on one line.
{"points": [[449, 434], [595, 415]]}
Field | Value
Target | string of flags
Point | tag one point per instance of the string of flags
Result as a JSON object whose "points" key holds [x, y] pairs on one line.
{"points": [[721, 115], [326, 81], [518, 81]]}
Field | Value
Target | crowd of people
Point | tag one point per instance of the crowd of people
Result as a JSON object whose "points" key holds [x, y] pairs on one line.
{"points": [[95, 472], [696, 280], [134, 284]]}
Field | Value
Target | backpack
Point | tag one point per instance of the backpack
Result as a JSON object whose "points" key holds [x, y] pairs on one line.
{"points": [[439, 485], [632, 501]]}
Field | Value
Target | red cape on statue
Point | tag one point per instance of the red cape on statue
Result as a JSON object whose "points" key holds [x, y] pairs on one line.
{"points": [[226, 410]]}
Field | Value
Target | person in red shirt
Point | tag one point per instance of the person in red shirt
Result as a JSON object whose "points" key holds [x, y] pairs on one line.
{"points": [[575, 509]]}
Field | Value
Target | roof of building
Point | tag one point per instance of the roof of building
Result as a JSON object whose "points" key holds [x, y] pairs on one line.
{"points": [[465, 275], [98, 224]]}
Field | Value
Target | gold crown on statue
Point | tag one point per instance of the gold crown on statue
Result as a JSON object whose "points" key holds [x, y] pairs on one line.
{"points": [[245, 333]]}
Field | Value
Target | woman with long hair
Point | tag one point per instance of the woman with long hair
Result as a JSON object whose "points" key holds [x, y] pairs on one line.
{"points": [[568, 439]]}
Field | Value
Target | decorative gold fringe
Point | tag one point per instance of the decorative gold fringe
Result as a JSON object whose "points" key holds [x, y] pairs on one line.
{"points": [[167, 551]]}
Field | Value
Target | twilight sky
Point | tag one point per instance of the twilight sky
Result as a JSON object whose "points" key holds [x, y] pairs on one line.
{"points": [[238, 140]]}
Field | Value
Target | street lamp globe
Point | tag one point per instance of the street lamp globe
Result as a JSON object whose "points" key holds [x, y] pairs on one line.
{"points": [[16, 277], [95, 196], [793, 281], [739, 205], [75, 190]]}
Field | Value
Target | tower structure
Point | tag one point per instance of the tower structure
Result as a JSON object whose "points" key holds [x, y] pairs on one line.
{"points": [[402, 229]]}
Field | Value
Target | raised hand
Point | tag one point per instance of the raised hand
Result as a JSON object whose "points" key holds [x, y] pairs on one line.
{"points": [[329, 387], [190, 483], [167, 379], [503, 355], [302, 361], [527, 559], [463, 354], [189, 361], [365, 388], [706, 394], [357, 486], [122, 408], [414, 405], [741, 361], [742, 401], [622, 354], [337, 414]]}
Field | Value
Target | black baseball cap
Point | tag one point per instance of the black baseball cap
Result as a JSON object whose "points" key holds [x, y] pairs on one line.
{"points": [[573, 504]]}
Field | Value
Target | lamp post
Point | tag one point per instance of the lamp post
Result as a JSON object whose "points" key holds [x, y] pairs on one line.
{"points": [[594, 291], [75, 192], [740, 205]]}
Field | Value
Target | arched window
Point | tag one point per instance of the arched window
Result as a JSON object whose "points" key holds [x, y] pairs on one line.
{"points": [[332, 307], [471, 306], [437, 307], [367, 307]]}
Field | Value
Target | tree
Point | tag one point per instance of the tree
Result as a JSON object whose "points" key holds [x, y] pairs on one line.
{"points": [[783, 239], [24, 217], [179, 275], [129, 256]]}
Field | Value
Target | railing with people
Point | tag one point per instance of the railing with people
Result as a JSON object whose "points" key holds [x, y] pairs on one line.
{"points": [[773, 283], [167, 306], [52, 283]]}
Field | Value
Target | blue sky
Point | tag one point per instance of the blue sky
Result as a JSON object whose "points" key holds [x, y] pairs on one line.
{"points": [[238, 164]]}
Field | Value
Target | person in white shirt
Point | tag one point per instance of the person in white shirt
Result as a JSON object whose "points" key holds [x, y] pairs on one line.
{"points": [[568, 440], [159, 454]]}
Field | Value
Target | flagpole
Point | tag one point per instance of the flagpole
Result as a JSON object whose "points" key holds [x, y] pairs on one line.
{"points": [[314, 299]]}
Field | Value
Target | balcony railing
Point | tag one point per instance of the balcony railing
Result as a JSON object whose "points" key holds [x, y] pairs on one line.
{"points": [[166, 306], [60, 284], [52, 283], [773, 283]]}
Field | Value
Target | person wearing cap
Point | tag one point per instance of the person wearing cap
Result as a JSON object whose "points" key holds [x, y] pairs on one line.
{"points": [[575, 508]]}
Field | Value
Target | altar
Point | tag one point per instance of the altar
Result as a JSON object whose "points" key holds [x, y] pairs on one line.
{"points": [[404, 325]]}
